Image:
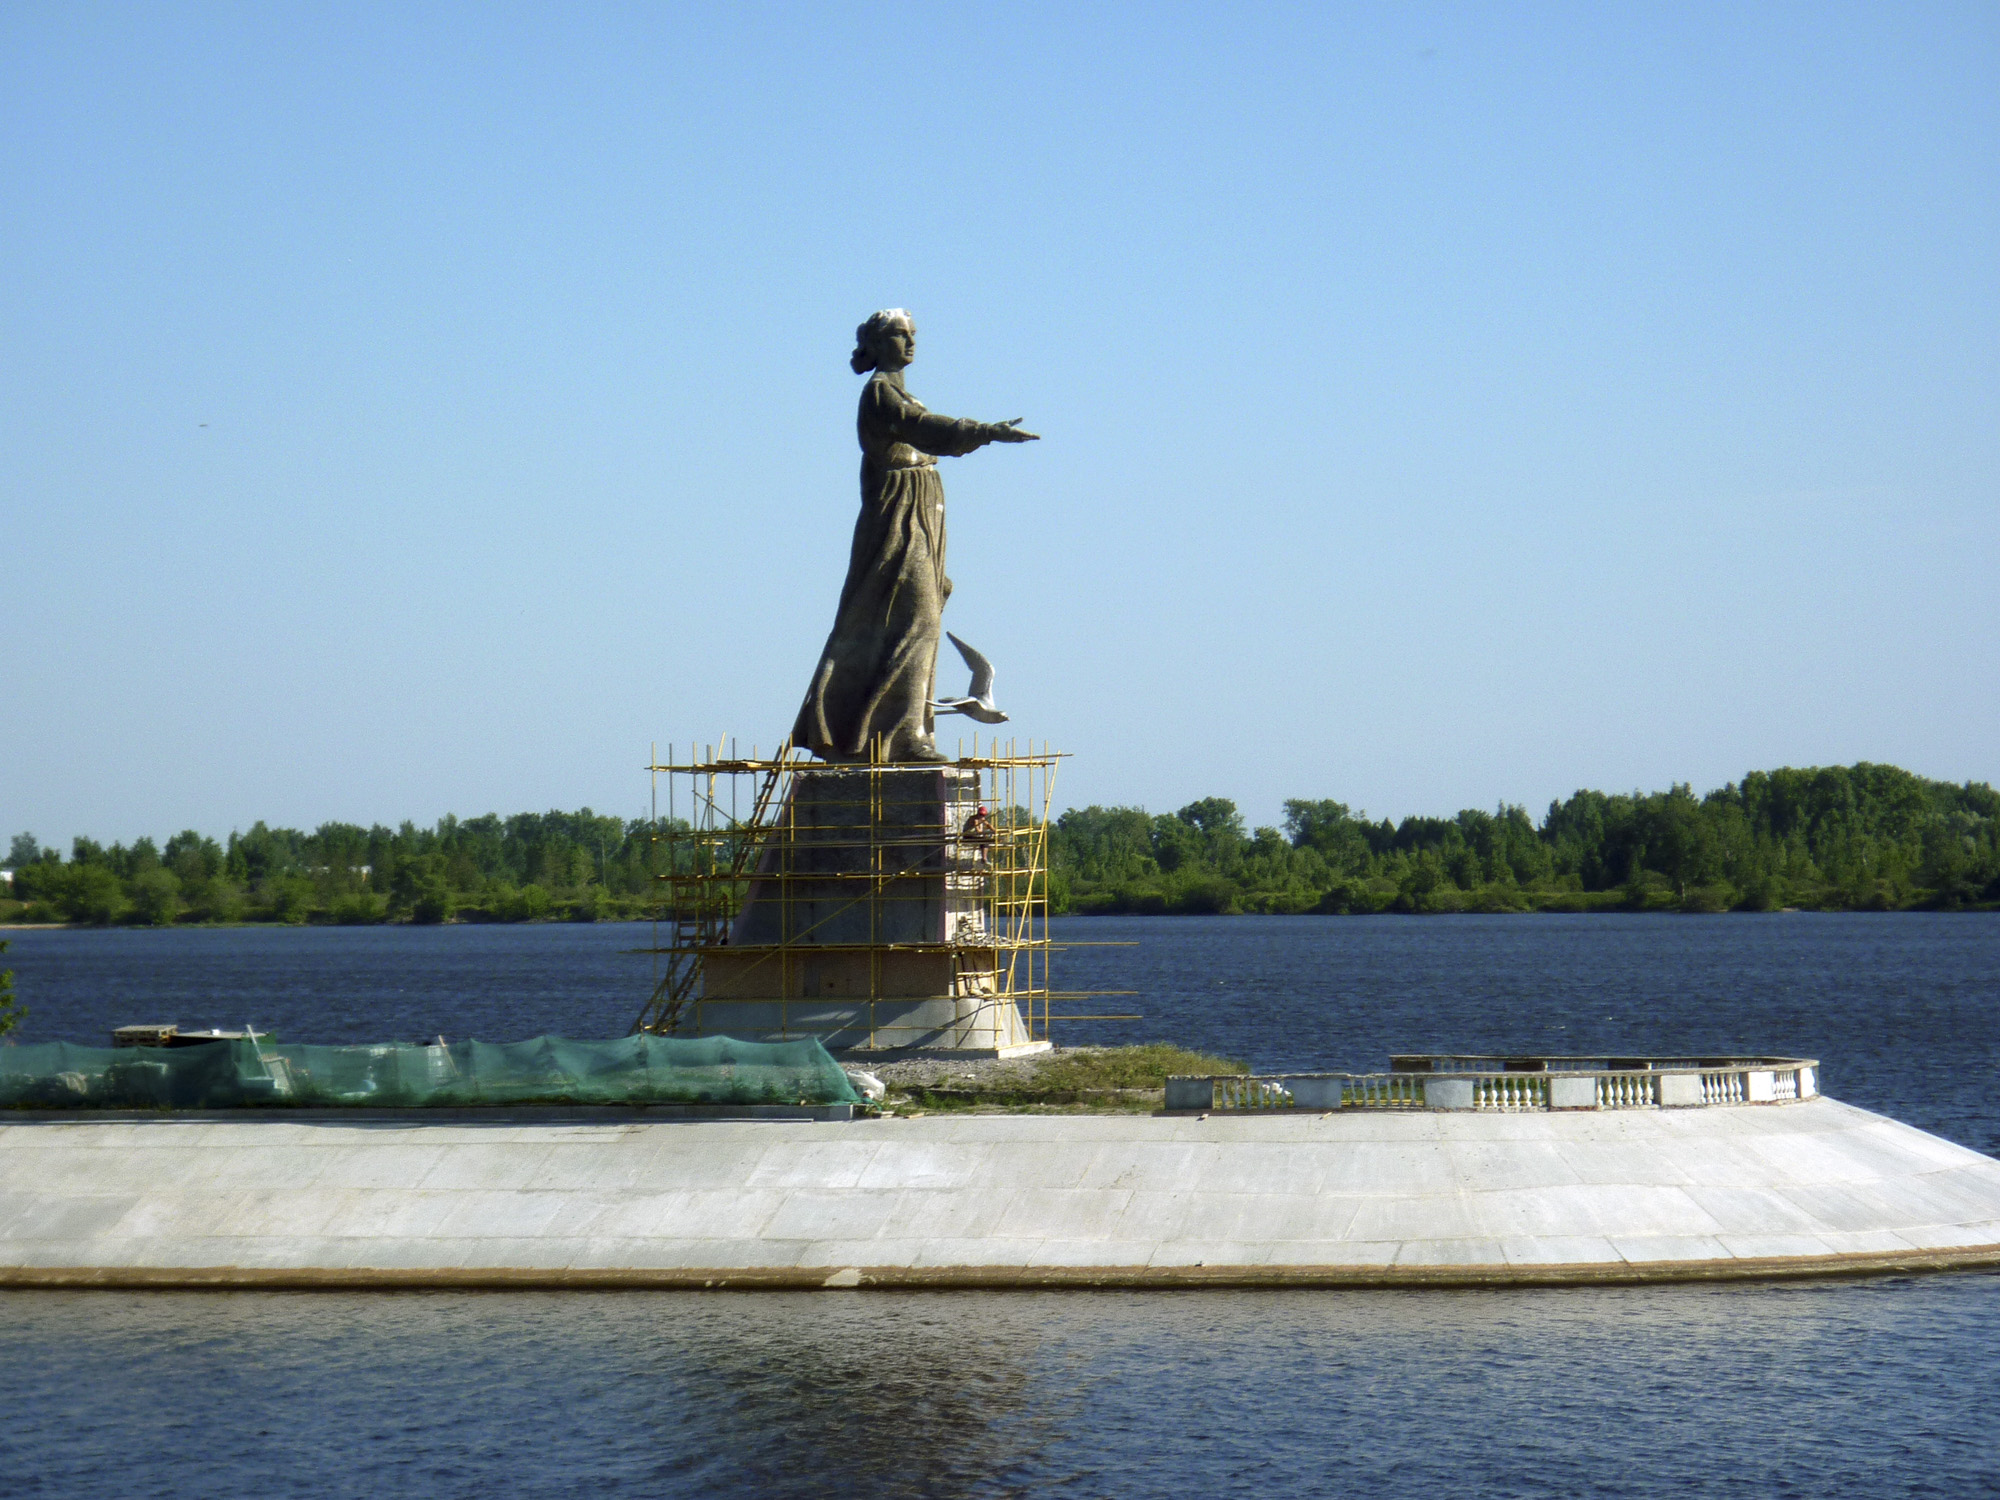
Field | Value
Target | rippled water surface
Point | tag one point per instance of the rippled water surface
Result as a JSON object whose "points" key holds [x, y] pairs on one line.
{"points": [[1871, 1388], [1880, 1387]]}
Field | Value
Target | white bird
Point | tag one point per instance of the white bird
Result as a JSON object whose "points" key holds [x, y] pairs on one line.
{"points": [[978, 702]]}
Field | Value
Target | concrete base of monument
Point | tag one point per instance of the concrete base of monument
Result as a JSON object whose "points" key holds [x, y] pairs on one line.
{"points": [[884, 911], [936, 1025], [1346, 1198]]}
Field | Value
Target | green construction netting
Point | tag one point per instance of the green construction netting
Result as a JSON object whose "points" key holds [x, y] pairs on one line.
{"points": [[640, 1069]]}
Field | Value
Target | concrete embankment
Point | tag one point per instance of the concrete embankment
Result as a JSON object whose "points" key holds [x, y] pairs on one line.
{"points": [[1346, 1198]]}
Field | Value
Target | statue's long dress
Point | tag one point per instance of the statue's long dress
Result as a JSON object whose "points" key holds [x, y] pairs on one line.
{"points": [[874, 677]]}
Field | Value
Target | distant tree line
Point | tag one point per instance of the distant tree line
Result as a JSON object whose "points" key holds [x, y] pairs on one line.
{"points": [[1864, 837], [577, 866], [1861, 837]]}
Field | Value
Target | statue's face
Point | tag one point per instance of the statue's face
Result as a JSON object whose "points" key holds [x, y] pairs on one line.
{"points": [[896, 346]]}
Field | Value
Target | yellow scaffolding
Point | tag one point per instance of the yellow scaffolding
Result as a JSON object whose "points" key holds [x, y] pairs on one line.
{"points": [[792, 884]]}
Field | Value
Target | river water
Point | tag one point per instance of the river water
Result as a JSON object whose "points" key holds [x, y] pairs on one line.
{"points": [[1878, 1387]]}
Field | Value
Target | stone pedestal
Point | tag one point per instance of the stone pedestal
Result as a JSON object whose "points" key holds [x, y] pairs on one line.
{"points": [[870, 923]]}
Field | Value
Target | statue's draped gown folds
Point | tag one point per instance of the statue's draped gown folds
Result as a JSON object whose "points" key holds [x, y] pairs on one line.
{"points": [[874, 677]]}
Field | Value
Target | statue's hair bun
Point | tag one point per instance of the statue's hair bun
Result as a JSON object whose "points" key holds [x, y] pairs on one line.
{"points": [[863, 358]]}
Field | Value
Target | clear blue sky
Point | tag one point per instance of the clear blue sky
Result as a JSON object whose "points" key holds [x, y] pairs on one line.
{"points": [[416, 409]]}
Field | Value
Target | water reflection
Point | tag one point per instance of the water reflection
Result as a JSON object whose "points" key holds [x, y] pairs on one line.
{"points": [[1812, 1388]]}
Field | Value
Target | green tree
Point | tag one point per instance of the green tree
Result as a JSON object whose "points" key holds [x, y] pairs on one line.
{"points": [[1340, 838], [144, 855], [1176, 842], [197, 863], [1220, 826], [156, 896], [420, 892], [12, 1011], [288, 898], [1418, 889], [1104, 845], [1682, 842], [89, 892], [529, 904]]}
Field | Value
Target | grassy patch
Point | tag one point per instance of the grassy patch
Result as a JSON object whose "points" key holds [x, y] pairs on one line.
{"points": [[1123, 1079], [942, 1101], [1146, 1067]]}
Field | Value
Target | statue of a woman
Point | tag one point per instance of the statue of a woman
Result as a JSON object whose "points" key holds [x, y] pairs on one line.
{"points": [[874, 677]]}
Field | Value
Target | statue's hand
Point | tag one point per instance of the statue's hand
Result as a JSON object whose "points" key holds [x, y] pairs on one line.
{"points": [[1011, 431]]}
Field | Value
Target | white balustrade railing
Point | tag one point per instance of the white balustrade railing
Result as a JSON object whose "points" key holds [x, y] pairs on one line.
{"points": [[1511, 1091], [1627, 1090], [1723, 1088], [1523, 1084], [1239, 1092], [1382, 1091]]}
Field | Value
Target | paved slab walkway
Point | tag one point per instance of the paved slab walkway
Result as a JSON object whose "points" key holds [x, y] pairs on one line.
{"points": [[993, 1200]]}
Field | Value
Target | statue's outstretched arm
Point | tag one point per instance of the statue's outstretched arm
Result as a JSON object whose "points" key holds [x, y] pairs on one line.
{"points": [[928, 432]]}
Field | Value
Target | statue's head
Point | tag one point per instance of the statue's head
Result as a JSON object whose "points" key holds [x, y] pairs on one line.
{"points": [[887, 341]]}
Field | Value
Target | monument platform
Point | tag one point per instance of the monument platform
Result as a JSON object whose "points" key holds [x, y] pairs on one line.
{"points": [[880, 908], [1346, 1197]]}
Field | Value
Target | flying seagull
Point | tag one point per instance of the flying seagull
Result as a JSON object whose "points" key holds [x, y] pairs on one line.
{"points": [[978, 702]]}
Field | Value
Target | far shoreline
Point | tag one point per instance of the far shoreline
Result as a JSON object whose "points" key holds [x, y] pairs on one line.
{"points": [[1610, 910]]}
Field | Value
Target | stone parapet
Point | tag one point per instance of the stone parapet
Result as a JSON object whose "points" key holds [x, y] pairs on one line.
{"points": [[1516, 1085]]}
